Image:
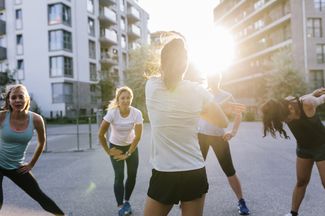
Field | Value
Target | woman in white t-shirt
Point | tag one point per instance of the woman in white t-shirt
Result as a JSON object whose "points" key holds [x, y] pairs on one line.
{"points": [[126, 124], [174, 108]]}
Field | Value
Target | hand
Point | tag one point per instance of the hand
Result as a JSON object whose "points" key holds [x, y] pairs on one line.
{"points": [[236, 108], [115, 152], [228, 135], [25, 168], [319, 92], [120, 157]]}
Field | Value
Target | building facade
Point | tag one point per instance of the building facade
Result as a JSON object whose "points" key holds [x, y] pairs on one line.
{"points": [[61, 49], [263, 27]]}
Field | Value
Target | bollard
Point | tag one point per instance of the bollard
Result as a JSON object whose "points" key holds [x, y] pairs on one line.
{"points": [[90, 136]]}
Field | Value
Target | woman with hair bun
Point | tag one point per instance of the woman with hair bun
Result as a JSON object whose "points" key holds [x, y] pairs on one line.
{"points": [[174, 109], [301, 117]]}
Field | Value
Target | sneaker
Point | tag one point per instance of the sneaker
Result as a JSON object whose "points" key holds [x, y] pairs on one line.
{"points": [[289, 214], [242, 208], [127, 208]]}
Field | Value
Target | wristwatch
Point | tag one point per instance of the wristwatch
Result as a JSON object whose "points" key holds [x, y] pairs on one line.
{"points": [[128, 154]]}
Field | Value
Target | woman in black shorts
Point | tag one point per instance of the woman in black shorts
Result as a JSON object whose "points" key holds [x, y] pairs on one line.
{"points": [[301, 117]]}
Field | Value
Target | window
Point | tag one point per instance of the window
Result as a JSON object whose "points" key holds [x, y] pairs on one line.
{"points": [[314, 27], [320, 53], [20, 69], [93, 72], [59, 14], [92, 49], [61, 66], [60, 39], [316, 78], [319, 5], [90, 6], [19, 19], [91, 27], [19, 44], [62, 92]]}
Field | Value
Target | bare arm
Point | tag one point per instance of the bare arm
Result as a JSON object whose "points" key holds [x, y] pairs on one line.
{"points": [[213, 114], [310, 103], [103, 128], [41, 142]]}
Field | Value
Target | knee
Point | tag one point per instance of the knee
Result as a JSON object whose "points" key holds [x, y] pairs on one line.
{"points": [[302, 182]]}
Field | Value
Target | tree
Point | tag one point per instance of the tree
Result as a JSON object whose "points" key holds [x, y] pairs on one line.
{"points": [[284, 79], [143, 62]]}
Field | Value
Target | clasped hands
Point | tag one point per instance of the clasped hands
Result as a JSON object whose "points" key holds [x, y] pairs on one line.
{"points": [[117, 154]]}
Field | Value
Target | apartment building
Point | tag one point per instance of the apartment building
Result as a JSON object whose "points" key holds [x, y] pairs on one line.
{"points": [[263, 27], [61, 49]]}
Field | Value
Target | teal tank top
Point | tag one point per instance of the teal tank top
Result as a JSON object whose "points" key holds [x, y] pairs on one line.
{"points": [[13, 144]]}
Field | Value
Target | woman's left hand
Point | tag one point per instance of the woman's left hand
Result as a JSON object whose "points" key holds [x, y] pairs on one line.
{"points": [[120, 157], [228, 135], [25, 168]]}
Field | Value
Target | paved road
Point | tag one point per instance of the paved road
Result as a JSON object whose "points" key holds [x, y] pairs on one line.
{"points": [[81, 182]]}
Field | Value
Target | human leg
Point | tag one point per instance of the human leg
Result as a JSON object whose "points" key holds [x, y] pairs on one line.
{"points": [[29, 184], [1, 192], [222, 151], [118, 167], [132, 167], [193, 207], [204, 145], [321, 169], [303, 173], [156, 208]]}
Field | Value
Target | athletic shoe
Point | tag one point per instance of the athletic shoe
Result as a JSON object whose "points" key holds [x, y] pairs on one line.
{"points": [[242, 208], [127, 207], [289, 214]]}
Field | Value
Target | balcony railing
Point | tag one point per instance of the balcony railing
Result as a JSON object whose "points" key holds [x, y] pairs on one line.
{"points": [[108, 37], [133, 14], [107, 16], [108, 58], [134, 31]]}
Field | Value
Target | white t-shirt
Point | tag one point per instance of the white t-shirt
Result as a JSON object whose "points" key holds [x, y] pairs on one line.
{"points": [[122, 128], [208, 128], [174, 116]]}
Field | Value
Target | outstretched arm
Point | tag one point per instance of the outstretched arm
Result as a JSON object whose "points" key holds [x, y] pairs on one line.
{"points": [[311, 102]]}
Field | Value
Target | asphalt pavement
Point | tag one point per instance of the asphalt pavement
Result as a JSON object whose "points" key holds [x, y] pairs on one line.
{"points": [[77, 174]]}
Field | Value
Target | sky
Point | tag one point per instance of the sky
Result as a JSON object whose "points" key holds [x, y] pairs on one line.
{"points": [[193, 19], [185, 16]]}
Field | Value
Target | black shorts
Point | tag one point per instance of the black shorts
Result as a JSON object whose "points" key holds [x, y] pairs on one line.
{"points": [[316, 154], [172, 187]]}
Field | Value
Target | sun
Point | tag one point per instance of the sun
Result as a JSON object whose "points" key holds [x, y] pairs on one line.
{"points": [[212, 51]]}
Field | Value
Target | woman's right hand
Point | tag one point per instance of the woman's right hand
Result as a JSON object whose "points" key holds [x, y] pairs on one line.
{"points": [[114, 152]]}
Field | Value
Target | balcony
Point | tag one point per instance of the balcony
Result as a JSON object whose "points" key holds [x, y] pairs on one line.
{"points": [[107, 16], [133, 15], [2, 4], [108, 59], [2, 27], [108, 37], [107, 2], [3, 53], [134, 32]]}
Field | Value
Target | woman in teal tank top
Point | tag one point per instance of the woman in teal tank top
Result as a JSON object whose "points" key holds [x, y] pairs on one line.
{"points": [[17, 124]]}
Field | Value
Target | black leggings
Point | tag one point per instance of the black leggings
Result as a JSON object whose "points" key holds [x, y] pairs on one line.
{"points": [[221, 150], [28, 183]]}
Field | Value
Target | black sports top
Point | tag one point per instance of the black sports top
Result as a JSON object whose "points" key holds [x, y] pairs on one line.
{"points": [[309, 132]]}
